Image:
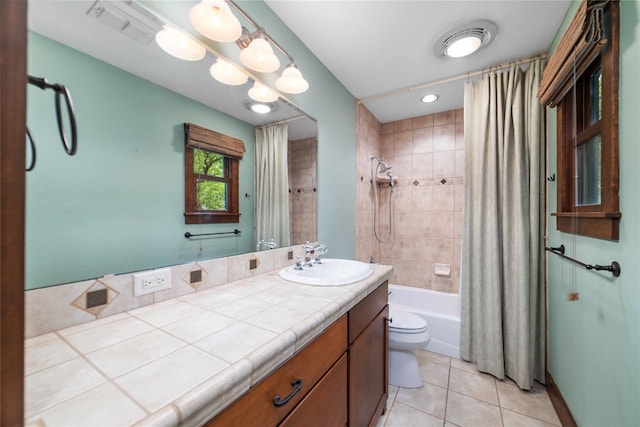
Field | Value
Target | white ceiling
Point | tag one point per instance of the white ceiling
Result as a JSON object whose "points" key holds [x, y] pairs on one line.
{"points": [[376, 47]]}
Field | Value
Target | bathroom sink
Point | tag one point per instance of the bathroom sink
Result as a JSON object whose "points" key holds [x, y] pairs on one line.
{"points": [[332, 272]]}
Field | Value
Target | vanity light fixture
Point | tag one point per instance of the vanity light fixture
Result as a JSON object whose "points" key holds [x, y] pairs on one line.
{"points": [[429, 98], [227, 73], [262, 93], [291, 80], [465, 39], [214, 19], [177, 44], [259, 56]]}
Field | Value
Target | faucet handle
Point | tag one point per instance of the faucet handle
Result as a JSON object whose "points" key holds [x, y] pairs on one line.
{"points": [[298, 266]]}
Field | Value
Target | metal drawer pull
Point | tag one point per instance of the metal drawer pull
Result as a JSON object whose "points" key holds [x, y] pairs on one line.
{"points": [[277, 402]]}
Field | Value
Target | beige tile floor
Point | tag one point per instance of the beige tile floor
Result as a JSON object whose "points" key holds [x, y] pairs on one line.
{"points": [[456, 394]]}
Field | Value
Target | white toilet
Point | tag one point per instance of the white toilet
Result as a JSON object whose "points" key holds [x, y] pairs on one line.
{"points": [[407, 332]]}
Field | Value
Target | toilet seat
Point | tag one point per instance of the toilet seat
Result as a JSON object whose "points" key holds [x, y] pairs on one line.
{"points": [[404, 322]]}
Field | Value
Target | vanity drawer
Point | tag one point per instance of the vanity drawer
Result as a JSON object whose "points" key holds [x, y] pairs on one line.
{"points": [[257, 408], [366, 310]]}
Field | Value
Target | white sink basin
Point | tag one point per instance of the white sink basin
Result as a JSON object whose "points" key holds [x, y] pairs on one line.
{"points": [[332, 272]]}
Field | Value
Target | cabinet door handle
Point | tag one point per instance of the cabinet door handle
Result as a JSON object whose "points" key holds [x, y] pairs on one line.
{"points": [[277, 402]]}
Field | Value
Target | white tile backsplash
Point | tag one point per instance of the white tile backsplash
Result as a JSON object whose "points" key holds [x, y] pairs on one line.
{"points": [[51, 309]]}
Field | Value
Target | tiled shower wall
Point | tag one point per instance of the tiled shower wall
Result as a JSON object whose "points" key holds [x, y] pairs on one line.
{"points": [[303, 200], [427, 156]]}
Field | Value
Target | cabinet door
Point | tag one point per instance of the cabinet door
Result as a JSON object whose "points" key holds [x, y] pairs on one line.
{"points": [[368, 373], [326, 404]]}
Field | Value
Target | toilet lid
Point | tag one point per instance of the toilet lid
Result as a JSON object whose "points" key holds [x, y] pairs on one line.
{"points": [[404, 321]]}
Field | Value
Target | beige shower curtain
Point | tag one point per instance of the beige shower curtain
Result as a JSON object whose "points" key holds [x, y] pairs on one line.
{"points": [[502, 268], [272, 184]]}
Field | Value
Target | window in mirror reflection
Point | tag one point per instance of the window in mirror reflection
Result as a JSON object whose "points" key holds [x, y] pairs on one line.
{"points": [[212, 179], [211, 176]]}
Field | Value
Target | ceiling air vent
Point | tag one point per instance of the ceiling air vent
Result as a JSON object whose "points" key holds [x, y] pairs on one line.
{"points": [[465, 39], [127, 18]]}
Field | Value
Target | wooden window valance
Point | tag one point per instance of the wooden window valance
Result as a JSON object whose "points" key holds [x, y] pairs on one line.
{"points": [[206, 139], [580, 44]]}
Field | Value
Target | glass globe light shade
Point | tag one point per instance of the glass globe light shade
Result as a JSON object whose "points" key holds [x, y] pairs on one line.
{"points": [[214, 19], [177, 44], [259, 56], [291, 81], [226, 73], [262, 93]]}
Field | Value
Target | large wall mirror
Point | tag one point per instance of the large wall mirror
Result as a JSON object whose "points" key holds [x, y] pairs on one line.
{"points": [[117, 206]]}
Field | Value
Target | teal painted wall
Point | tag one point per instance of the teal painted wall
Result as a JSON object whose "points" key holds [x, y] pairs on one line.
{"points": [[116, 153], [594, 343], [118, 205], [334, 108]]}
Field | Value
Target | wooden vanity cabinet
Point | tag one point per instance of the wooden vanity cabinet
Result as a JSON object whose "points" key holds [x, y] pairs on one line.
{"points": [[368, 364], [343, 375], [257, 408]]}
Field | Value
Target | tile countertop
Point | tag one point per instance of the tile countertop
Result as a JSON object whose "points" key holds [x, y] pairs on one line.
{"points": [[181, 361]]}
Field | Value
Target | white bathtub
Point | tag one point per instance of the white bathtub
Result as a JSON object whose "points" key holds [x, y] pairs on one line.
{"points": [[439, 309]]}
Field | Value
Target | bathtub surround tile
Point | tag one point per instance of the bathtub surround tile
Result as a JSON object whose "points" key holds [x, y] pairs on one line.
{"points": [[49, 387], [423, 140], [89, 408], [163, 380], [444, 137], [444, 118], [425, 121]]}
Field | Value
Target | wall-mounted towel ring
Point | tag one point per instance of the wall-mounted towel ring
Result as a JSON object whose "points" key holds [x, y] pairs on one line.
{"points": [[69, 143]]}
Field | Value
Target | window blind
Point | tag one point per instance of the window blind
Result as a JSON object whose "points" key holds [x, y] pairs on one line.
{"points": [[207, 139], [579, 45]]}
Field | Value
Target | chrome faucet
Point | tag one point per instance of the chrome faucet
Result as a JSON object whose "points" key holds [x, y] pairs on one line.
{"points": [[307, 254], [320, 250], [271, 244]]}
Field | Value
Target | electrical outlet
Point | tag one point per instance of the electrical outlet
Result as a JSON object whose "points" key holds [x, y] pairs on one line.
{"points": [[151, 281]]}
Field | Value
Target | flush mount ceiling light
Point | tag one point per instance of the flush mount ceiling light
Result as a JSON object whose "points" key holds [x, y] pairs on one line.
{"points": [[262, 93], [429, 98], [291, 81], [261, 107], [226, 73], [259, 56], [214, 19], [465, 39], [177, 44]]}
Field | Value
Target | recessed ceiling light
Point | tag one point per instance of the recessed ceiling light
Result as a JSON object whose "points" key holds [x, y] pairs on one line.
{"points": [[428, 98], [260, 107], [463, 40]]}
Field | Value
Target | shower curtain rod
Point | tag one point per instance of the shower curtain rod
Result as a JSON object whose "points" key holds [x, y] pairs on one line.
{"points": [[281, 122], [453, 79]]}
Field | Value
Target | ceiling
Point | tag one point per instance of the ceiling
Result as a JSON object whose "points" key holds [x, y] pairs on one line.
{"points": [[72, 23], [379, 47]]}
